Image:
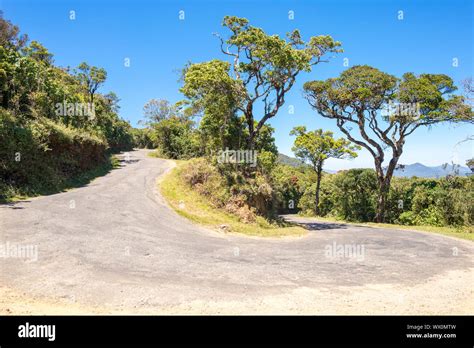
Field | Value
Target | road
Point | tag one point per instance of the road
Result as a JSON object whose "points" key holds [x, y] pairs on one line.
{"points": [[114, 246]]}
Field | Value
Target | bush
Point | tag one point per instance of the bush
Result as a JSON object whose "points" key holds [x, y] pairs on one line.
{"points": [[40, 155], [206, 179], [354, 194]]}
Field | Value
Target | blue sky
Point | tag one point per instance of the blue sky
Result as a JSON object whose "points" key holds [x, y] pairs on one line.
{"points": [[158, 44]]}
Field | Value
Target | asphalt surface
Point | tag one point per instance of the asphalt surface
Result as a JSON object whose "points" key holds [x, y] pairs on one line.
{"points": [[116, 243]]}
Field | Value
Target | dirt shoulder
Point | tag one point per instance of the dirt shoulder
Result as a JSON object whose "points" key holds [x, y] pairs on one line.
{"points": [[424, 299]]}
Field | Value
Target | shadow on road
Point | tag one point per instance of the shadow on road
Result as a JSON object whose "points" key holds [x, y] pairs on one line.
{"points": [[312, 225], [13, 205], [315, 226], [124, 162], [80, 180]]}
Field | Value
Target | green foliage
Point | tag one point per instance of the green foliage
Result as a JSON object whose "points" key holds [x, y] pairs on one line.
{"points": [[290, 184], [355, 99], [158, 110], [439, 202], [317, 146], [352, 194], [45, 140], [144, 138], [264, 69], [215, 94], [40, 156], [176, 138], [470, 164], [91, 77]]}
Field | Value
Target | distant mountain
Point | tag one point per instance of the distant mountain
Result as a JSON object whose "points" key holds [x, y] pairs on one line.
{"points": [[290, 161], [294, 162], [409, 170], [422, 171]]}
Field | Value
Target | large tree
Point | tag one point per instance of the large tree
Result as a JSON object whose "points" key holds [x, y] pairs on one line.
{"points": [[356, 101], [156, 110], [263, 70], [91, 77], [316, 147], [10, 35]]}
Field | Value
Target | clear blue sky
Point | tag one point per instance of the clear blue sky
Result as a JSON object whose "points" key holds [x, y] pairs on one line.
{"points": [[158, 44]]}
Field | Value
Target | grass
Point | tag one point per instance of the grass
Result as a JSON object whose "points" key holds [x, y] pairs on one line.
{"points": [[458, 232], [15, 194], [154, 154], [193, 206]]}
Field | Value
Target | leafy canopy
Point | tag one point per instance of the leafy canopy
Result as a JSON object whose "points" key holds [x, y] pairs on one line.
{"points": [[318, 145]]}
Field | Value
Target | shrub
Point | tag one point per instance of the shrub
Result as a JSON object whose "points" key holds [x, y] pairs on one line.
{"points": [[41, 155]]}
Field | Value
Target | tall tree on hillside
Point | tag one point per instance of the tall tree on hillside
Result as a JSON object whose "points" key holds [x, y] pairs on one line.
{"points": [[91, 77], [356, 99], [316, 147], [156, 110], [38, 52], [263, 70], [112, 101], [10, 35], [214, 95]]}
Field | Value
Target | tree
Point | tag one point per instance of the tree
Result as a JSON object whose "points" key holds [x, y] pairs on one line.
{"points": [[38, 52], [264, 69], [157, 110], [317, 146], [176, 138], [91, 77], [9, 35], [356, 99], [470, 164], [112, 101], [214, 94], [468, 88]]}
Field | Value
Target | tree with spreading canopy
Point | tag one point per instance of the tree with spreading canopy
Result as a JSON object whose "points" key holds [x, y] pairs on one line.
{"points": [[356, 98], [316, 147], [156, 110], [91, 77], [263, 70], [10, 34]]}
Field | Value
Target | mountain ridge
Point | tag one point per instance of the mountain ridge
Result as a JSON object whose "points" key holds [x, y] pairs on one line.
{"points": [[405, 170]]}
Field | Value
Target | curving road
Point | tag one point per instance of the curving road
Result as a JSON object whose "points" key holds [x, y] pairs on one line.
{"points": [[114, 245]]}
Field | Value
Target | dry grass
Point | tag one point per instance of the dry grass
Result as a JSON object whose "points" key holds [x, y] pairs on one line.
{"points": [[193, 206]]}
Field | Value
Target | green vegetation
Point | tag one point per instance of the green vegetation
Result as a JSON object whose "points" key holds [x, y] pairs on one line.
{"points": [[317, 146], [197, 190], [55, 128], [457, 232], [264, 70], [351, 195], [226, 99], [205, 208], [355, 101], [58, 131], [218, 117]]}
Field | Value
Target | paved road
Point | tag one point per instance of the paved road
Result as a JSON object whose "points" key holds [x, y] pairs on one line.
{"points": [[115, 243]]}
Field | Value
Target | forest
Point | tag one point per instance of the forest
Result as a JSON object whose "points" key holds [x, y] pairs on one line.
{"points": [[58, 129]]}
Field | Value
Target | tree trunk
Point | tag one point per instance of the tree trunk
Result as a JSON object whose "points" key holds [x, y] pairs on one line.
{"points": [[251, 141], [381, 201], [250, 124], [318, 187], [384, 180]]}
